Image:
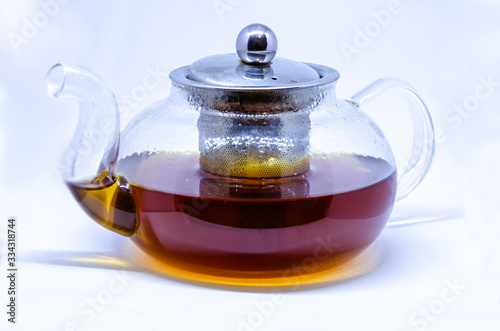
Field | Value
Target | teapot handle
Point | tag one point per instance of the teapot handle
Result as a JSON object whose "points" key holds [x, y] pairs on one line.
{"points": [[423, 132]]}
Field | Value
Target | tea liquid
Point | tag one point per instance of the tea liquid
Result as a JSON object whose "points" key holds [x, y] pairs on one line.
{"points": [[210, 226], [216, 226]]}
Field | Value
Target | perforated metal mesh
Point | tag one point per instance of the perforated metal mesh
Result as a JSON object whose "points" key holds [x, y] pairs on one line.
{"points": [[210, 187], [254, 145]]}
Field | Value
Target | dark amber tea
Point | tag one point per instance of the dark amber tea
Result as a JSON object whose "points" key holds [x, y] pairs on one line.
{"points": [[217, 226]]}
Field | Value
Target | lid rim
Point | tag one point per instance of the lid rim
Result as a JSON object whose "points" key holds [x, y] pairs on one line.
{"points": [[327, 75]]}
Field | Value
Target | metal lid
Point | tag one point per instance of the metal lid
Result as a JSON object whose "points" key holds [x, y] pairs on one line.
{"points": [[229, 70], [254, 67]]}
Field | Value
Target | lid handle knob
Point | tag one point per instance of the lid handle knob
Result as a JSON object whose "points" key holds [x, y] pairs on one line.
{"points": [[256, 44]]}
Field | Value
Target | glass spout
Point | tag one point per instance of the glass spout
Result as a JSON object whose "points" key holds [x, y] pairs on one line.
{"points": [[88, 165], [94, 147]]}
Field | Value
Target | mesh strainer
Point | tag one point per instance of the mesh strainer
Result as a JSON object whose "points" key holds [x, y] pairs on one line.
{"points": [[254, 108]]}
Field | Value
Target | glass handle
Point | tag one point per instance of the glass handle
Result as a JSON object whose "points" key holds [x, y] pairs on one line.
{"points": [[423, 132]]}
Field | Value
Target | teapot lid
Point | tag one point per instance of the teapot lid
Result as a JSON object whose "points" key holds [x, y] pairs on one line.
{"points": [[253, 67]]}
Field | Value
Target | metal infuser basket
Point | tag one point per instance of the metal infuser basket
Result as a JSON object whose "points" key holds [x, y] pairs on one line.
{"points": [[253, 145], [254, 110]]}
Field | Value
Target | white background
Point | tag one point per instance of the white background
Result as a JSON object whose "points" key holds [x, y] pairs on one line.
{"points": [[446, 49]]}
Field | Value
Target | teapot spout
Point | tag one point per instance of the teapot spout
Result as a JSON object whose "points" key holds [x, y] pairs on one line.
{"points": [[88, 165], [94, 147]]}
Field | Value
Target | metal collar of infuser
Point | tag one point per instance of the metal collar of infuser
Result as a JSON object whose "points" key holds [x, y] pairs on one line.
{"points": [[290, 96]]}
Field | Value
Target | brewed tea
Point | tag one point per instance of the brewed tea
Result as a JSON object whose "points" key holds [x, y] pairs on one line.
{"points": [[254, 229]]}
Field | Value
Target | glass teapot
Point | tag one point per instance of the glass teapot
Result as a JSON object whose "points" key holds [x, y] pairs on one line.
{"points": [[250, 172]]}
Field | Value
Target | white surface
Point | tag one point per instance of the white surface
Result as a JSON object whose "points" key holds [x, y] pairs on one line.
{"points": [[445, 49]]}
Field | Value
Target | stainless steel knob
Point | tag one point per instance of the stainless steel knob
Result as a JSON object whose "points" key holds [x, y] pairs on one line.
{"points": [[256, 44]]}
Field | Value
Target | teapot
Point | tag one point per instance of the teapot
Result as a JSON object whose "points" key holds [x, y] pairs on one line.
{"points": [[252, 171]]}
